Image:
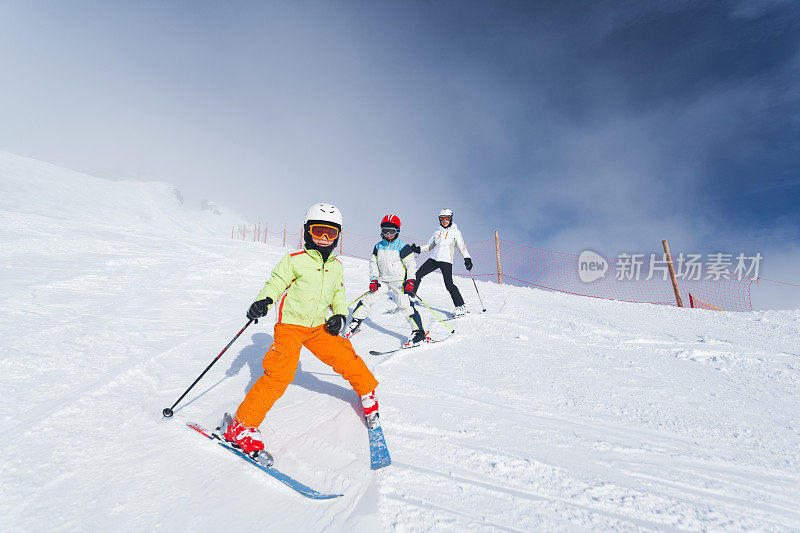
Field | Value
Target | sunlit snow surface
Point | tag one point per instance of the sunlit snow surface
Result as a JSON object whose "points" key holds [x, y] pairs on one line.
{"points": [[547, 412]]}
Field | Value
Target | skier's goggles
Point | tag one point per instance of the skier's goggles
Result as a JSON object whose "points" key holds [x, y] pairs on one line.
{"points": [[322, 230], [445, 217], [389, 231]]}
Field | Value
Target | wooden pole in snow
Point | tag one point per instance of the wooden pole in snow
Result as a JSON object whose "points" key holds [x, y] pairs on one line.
{"points": [[497, 252], [672, 274]]}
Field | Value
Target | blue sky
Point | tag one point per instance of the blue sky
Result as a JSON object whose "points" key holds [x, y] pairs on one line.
{"points": [[565, 125]]}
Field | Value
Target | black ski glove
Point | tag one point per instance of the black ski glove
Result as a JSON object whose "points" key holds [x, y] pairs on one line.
{"points": [[258, 309], [416, 249], [335, 324], [468, 263]]}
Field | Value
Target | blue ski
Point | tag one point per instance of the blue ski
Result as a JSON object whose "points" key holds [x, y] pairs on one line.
{"points": [[289, 481], [378, 452]]}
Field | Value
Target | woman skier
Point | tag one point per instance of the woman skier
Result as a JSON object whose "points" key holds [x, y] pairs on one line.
{"points": [[391, 268], [445, 239], [307, 283]]}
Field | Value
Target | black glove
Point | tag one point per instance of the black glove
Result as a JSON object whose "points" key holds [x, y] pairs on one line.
{"points": [[416, 249], [468, 263], [335, 324], [258, 309]]}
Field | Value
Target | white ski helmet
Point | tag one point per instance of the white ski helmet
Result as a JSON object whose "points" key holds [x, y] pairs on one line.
{"points": [[324, 213], [446, 213], [321, 214]]}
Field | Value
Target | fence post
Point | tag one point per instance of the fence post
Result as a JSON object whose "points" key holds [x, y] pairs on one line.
{"points": [[284, 235], [497, 252], [672, 274], [266, 229]]}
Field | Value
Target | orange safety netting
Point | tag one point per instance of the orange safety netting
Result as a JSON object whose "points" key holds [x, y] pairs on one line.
{"points": [[647, 281]]}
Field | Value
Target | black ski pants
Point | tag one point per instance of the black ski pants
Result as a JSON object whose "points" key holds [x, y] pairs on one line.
{"points": [[447, 273]]}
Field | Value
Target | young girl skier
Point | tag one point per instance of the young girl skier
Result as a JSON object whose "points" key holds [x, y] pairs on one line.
{"points": [[307, 283], [391, 267], [445, 239]]}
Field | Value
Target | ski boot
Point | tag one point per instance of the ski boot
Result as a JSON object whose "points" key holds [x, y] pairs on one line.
{"points": [[420, 336], [246, 439], [461, 310], [353, 328], [369, 404]]}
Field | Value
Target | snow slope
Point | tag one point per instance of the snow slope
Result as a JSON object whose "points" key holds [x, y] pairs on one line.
{"points": [[547, 412]]}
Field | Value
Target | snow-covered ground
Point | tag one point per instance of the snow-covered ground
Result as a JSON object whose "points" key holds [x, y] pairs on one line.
{"points": [[547, 412]]}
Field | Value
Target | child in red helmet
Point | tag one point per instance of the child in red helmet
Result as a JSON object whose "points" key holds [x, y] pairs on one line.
{"points": [[392, 268]]}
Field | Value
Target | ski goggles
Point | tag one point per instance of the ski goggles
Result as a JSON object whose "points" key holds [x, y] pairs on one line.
{"points": [[323, 230], [389, 231], [445, 217]]}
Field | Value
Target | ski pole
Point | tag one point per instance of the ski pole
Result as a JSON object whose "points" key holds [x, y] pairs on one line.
{"points": [[167, 412], [476, 290], [434, 313], [357, 299]]}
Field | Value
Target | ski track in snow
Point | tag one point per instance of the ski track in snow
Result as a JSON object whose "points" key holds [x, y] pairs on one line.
{"points": [[547, 412]]}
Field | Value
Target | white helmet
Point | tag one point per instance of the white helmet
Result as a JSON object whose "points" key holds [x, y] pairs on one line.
{"points": [[446, 213], [321, 214], [324, 213]]}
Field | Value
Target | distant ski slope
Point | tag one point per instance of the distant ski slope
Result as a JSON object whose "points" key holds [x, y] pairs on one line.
{"points": [[548, 412]]}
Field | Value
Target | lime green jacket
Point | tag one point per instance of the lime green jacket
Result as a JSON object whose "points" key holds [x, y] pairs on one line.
{"points": [[309, 288]]}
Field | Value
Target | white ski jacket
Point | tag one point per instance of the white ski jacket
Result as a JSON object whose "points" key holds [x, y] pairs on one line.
{"points": [[446, 240], [392, 261]]}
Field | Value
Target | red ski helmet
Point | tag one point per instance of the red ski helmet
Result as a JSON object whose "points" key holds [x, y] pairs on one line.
{"points": [[391, 221]]}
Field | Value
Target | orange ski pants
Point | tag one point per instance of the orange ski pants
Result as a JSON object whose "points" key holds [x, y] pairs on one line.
{"points": [[280, 365]]}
